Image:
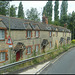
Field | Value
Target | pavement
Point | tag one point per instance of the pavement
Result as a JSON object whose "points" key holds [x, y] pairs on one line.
{"points": [[35, 69], [62, 65], [39, 68]]}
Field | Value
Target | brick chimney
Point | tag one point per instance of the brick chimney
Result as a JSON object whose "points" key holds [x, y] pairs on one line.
{"points": [[45, 19], [65, 25]]}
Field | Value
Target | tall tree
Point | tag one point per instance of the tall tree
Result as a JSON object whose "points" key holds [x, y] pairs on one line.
{"points": [[64, 7], [4, 7], [47, 10], [13, 11], [32, 14], [63, 14], [20, 11], [56, 11], [71, 23]]}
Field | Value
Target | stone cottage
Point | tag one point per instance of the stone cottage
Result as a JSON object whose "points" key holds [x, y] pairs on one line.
{"points": [[29, 36]]}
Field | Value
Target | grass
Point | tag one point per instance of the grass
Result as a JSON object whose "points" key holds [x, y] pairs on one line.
{"points": [[49, 56]]}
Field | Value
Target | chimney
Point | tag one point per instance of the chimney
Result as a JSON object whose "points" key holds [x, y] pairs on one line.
{"points": [[45, 19], [65, 25]]}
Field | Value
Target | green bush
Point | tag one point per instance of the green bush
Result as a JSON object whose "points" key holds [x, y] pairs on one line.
{"points": [[73, 41]]}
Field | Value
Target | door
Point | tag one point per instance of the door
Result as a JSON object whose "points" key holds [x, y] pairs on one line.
{"points": [[17, 55], [44, 49]]}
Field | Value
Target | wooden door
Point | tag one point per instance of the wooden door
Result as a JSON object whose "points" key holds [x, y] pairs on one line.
{"points": [[17, 55]]}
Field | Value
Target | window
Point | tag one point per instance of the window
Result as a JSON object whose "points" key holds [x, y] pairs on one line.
{"points": [[65, 33], [50, 43], [2, 34], [50, 33], [56, 34], [37, 48], [28, 34], [69, 34], [2, 56], [29, 50], [37, 33]]}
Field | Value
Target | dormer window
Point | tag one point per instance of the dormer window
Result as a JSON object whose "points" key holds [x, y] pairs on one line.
{"points": [[2, 34]]}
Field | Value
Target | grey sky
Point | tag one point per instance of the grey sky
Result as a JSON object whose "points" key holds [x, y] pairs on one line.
{"points": [[40, 4]]}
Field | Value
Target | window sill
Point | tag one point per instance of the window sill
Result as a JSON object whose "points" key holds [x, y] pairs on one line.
{"points": [[28, 37], [36, 37], [28, 53], [36, 51], [2, 39], [50, 36], [2, 61]]}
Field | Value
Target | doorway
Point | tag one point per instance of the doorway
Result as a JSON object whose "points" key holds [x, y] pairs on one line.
{"points": [[18, 55]]}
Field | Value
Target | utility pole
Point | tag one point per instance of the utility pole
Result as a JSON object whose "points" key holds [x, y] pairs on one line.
{"points": [[9, 18], [9, 30]]}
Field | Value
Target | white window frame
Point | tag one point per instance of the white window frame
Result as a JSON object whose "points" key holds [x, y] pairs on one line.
{"points": [[28, 34], [50, 33], [2, 56], [37, 47], [2, 34], [37, 33], [29, 50]]}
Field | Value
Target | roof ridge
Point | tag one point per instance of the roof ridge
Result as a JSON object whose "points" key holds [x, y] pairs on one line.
{"points": [[18, 18], [34, 21]]}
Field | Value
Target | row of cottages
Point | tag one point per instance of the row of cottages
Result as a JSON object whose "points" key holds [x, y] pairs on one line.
{"points": [[29, 37]]}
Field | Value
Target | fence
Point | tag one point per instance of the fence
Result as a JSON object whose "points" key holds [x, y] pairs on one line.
{"points": [[29, 62]]}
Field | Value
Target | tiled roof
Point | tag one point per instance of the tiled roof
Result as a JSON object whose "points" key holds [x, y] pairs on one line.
{"points": [[17, 23], [2, 25]]}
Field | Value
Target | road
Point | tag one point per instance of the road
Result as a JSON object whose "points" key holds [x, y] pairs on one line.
{"points": [[64, 65]]}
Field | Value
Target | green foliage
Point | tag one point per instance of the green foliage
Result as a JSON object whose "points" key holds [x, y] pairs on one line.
{"points": [[56, 11], [4, 7], [47, 10], [63, 14], [32, 14], [64, 7], [71, 23], [40, 59], [13, 11], [56, 23], [63, 20], [73, 41], [20, 11], [34, 52]]}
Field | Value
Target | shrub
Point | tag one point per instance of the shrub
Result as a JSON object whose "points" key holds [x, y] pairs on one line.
{"points": [[73, 41]]}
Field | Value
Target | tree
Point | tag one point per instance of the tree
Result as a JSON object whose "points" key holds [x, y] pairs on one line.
{"points": [[63, 14], [13, 11], [63, 20], [4, 7], [20, 11], [64, 7], [47, 10], [71, 23], [56, 11], [32, 14]]}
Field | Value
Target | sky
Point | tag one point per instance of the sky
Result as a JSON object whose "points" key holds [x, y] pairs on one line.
{"points": [[40, 4]]}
